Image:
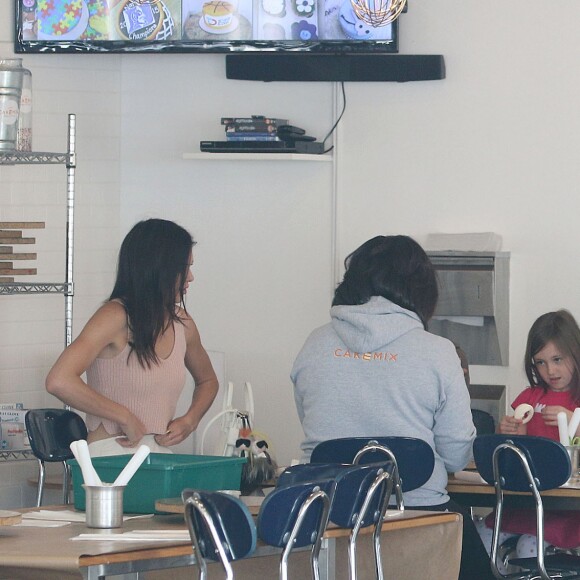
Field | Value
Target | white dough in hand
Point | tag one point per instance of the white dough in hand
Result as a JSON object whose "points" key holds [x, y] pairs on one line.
{"points": [[524, 412]]}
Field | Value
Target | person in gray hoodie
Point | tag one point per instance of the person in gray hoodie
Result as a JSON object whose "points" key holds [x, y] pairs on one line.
{"points": [[375, 370]]}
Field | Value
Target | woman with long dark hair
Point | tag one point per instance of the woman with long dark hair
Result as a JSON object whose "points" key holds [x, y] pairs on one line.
{"points": [[136, 349]]}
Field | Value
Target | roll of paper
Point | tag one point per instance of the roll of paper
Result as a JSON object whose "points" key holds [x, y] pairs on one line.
{"points": [[563, 428], [574, 422], [134, 463]]}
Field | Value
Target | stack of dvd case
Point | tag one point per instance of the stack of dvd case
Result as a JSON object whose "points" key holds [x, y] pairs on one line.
{"points": [[254, 128]]}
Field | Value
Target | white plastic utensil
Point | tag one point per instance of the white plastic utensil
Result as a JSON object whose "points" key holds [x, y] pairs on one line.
{"points": [[563, 428], [84, 458], [524, 412], [75, 451], [134, 463], [574, 422]]}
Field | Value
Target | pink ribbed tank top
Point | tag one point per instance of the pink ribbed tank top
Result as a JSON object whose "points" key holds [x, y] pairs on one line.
{"points": [[151, 394]]}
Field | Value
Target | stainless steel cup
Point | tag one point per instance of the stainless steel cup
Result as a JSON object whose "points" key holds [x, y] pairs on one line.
{"points": [[104, 505], [574, 452]]}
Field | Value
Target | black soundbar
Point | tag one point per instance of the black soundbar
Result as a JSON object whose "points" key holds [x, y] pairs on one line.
{"points": [[401, 68]]}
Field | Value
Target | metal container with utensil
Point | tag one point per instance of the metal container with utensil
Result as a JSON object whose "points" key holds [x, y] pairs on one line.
{"points": [[104, 505]]}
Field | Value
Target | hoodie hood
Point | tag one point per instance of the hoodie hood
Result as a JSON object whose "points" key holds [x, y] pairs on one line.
{"points": [[374, 325]]}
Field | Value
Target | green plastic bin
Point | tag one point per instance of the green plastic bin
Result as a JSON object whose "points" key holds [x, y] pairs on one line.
{"points": [[161, 475]]}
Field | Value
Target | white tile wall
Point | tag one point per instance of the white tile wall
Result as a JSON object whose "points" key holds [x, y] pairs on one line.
{"points": [[32, 327]]}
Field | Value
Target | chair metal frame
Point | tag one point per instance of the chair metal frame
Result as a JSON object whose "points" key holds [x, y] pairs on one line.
{"points": [[372, 486], [196, 503], [374, 445], [197, 500], [56, 455], [506, 476], [315, 495]]}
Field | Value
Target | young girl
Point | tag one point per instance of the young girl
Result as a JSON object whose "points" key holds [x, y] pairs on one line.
{"points": [[552, 365]]}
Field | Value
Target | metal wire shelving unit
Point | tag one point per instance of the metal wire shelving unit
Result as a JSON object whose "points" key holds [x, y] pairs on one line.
{"points": [[65, 288]]}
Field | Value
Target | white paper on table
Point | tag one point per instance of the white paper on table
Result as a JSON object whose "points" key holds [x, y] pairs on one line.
{"points": [[32, 523], [139, 536], [471, 476], [55, 516], [69, 516]]}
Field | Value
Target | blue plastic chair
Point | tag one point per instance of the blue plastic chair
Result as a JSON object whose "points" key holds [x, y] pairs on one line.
{"points": [[525, 464], [222, 529], [51, 431], [360, 499], [413, 458], [295, 517]]}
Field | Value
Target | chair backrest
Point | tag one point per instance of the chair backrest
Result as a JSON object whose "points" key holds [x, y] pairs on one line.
{"points": [[415, 458], [548, 461], [51, 431], [220, 525], [352, 486], [305, 506], [483, 421]]}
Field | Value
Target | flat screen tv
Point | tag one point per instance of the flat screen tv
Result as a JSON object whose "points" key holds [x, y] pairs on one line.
{"points": [[230, 26]]}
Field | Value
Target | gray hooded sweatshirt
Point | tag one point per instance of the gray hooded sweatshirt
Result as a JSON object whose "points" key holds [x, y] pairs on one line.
{"points": [[374, 371]]}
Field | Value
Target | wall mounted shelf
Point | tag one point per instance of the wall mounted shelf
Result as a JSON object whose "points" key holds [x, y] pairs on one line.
{"points": [[326, 158]]}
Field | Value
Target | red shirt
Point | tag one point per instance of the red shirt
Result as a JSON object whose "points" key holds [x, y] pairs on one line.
{"points": [[538, 399]]}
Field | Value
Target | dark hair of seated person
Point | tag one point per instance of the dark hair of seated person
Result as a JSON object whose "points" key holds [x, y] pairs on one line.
{"points": [[394, 267]]}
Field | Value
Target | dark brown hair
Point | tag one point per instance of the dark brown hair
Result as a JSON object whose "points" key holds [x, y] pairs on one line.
{"points": [[153, 264], [394, 267], [561, 328]]}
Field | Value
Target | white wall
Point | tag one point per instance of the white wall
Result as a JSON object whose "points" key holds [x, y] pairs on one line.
{"points": [[262, 264], [493, 147]]}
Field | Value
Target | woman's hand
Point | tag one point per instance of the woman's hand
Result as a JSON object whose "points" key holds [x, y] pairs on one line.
{"points": [[177, 430], [512, 426], [133, 431], [550, 414]]}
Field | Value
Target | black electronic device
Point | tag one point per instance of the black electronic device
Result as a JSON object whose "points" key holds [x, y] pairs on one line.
{"points": [[335, 67], [306, 147], [290, 130]]}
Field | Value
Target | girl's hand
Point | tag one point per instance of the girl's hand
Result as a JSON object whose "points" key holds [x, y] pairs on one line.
{"points": [[512, 426], [550, 414]]}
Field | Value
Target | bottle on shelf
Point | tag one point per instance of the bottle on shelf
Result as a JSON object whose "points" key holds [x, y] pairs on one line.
{"points": [[11, 79], [24, 138]]}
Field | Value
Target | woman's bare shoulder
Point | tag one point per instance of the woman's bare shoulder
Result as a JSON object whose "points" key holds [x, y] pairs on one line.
{"points": [[109, 317], [189, 325]]}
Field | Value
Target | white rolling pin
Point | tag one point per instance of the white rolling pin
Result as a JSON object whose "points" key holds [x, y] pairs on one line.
{"points": [[134, 463], [90, 476], [563, 428], [574, 422]]}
